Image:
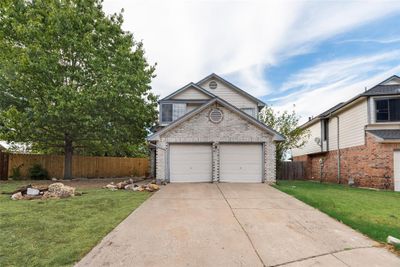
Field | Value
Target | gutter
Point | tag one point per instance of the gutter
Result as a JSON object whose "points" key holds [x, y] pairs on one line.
{"points": [[157, 146]]}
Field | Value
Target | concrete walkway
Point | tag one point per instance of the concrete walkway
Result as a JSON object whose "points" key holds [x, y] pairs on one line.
{"points": [[233, 225]]}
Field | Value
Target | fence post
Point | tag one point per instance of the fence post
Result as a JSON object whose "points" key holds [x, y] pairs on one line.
{"points": [[3, 166]]}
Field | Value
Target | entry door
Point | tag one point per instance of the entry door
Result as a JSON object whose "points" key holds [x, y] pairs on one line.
{"points": [[396, 170], [241, 163], [190, 163]]}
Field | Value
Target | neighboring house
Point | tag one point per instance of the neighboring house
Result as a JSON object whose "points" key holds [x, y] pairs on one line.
{"points": [[209, 132], [365, 132], [2, 148]]}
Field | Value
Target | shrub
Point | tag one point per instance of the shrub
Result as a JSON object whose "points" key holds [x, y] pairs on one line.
{"points": [[37, 172], [135, 172], [16, 173]]}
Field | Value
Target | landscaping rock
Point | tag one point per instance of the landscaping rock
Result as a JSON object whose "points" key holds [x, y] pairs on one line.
{"points": [[56, 190], [17, 196], [111, 186], [131, 187], [140, 188], [122, 185], [393, 240], [61, 190], [32, 192], [154, 186]]}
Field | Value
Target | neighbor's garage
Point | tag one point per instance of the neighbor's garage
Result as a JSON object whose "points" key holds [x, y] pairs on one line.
{"points": [[241, 163], [190, 163]]}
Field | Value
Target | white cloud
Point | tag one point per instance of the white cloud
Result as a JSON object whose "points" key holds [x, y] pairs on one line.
{"points": [[318, 88], [367, 40], [237, 39], [333, 71]]}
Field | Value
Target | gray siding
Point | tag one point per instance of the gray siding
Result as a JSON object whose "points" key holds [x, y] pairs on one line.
{"points": [[230, 95], [191, 93]]}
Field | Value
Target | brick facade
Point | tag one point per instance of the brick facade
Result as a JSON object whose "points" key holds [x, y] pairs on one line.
{"points": [[369, 165], [232, 129]]}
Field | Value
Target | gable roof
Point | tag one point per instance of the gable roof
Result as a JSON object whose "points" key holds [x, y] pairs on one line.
{"points": [[390, 80], [381, 89], [277, 136], [234, 87], [188, 86]]}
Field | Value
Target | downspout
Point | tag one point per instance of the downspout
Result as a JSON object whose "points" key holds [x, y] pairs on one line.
{"points": [[338, 150]]}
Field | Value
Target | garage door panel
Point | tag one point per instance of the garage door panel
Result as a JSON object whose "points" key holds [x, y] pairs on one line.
{"points": [[241, 163], [190, 163]]}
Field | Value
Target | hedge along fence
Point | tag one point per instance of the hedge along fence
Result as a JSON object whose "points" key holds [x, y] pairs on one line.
{"points": [[88, 167]]}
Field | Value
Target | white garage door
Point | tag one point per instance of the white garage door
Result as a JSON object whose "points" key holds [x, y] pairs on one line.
{"points": [[190, 163], [241, 163]]}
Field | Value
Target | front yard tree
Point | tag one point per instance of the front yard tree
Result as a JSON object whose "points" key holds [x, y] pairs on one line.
{"points": [[70, 75], [286, 123]]}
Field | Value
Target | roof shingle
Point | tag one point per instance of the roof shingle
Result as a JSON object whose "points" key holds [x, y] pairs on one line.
{"points": [[386, 134]]}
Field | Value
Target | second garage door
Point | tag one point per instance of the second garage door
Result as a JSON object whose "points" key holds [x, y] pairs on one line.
{"points": [[190, 163], [241, 163]]}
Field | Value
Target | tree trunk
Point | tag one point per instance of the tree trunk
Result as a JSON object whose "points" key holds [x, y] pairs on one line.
{"points": [[68, 149]]}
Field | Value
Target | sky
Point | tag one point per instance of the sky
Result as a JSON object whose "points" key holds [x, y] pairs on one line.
{"points": [[301, 55]]}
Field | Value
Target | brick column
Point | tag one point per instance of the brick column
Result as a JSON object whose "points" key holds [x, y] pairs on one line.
{"points": [[161, 157], [270, 164], [215, 162]]}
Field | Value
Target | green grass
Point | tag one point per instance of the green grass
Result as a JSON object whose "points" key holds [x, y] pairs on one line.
{"points": [[373, 213], [59, 232]]}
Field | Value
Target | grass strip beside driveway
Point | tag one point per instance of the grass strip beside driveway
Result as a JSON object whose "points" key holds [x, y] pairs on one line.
{"points": [[373, 213], [59, 232]]}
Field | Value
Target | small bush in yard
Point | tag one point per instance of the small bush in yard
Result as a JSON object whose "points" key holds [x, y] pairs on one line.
{"points": [[16, 173], [37, 172]]}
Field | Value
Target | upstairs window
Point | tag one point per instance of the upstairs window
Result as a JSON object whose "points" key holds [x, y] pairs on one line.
{"points": [[178, 110], [171, 112], [387, 110], [249, 111], [166, 112]]}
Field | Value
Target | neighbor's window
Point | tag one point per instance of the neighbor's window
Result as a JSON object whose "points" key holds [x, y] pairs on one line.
{"points": [[171, 112], [325, 127], [250, 111], [387, 110]]}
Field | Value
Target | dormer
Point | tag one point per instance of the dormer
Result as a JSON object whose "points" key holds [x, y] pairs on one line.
{"points": [[384, 101], [194, 95], [393, 80], [182, 101]]}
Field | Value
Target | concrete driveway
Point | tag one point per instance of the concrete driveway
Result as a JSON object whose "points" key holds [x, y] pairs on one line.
{"points": [[233, 225]]}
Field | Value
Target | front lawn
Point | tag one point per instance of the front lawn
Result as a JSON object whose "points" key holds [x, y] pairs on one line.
{"points": [[374, 213], [59, 232]]}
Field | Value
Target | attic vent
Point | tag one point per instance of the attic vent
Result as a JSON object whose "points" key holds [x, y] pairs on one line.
{"points": [[213, 85], [215, 115]]}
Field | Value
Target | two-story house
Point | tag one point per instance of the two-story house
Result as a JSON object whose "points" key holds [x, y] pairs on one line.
{"points": [[209, 132], [357, 141]]}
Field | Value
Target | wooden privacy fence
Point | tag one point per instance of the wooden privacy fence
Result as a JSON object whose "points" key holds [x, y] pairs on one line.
{"points": [[292, 170], [3, 166], [88, 167]]}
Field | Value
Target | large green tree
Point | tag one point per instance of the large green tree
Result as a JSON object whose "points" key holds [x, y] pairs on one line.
{"points": [[286, 123], [69, 76]]}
